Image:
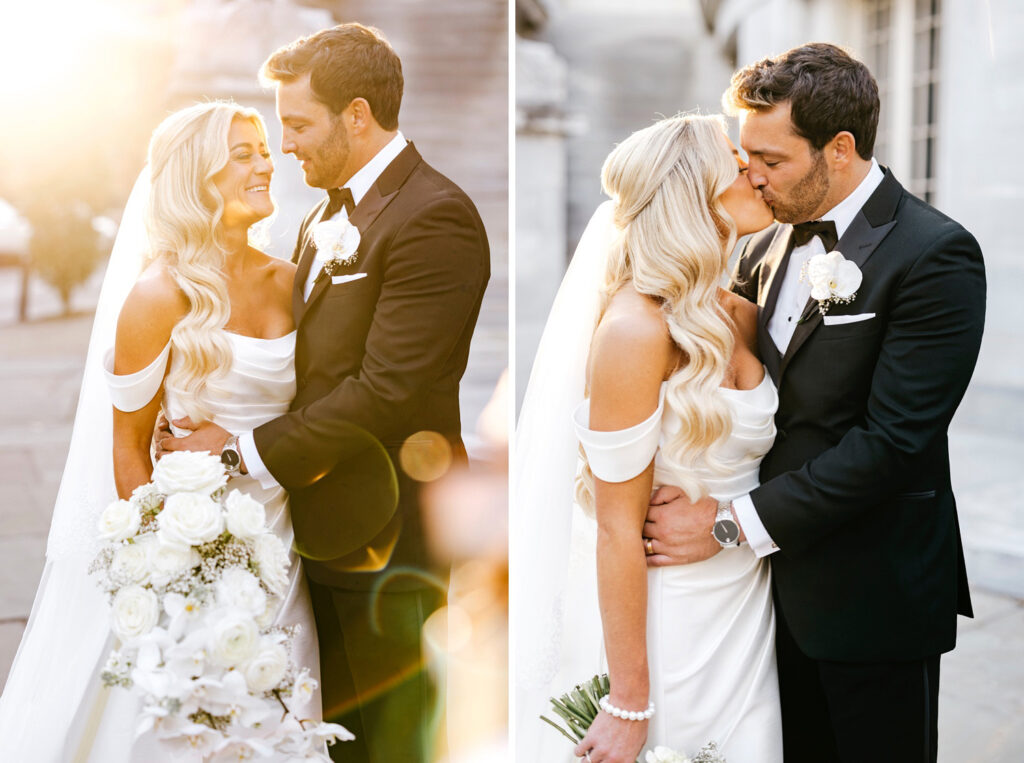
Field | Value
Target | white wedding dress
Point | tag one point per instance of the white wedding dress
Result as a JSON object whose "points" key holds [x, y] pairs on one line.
{"points": [[258, 387], [710, 625]]}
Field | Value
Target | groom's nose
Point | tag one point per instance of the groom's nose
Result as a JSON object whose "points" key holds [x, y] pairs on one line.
{"points": [[756, 176], [287, 144]]}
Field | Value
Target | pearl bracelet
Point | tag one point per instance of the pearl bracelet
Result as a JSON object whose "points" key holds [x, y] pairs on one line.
{"points": [[626, 715]]}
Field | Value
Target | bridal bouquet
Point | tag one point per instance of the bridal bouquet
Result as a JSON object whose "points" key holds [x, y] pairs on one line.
{"points": [[195, 576], [580, 707]]}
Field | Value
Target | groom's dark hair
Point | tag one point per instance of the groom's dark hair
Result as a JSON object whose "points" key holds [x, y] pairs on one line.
{"points": [[345, 62], [828, 90]]}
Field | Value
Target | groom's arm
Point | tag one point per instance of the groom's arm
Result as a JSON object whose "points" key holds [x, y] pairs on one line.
{"points": [[434, 277], [926, 360], [925, 363]]}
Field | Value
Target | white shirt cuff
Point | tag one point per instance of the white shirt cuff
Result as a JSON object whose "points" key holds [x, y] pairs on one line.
{"points": [[760, 541], [253, 463]]}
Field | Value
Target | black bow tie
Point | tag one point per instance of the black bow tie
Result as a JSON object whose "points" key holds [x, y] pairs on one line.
{"points": [[823, 229], [339, 197]]}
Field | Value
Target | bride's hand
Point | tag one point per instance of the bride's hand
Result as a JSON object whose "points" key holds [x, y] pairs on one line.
{"points": [[612, 740]]}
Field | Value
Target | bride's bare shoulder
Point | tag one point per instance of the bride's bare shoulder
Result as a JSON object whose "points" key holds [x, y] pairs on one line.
{"points": [[629, 356], [153, 306]]}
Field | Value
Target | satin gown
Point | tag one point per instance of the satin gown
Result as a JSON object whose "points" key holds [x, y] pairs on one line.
{"points": [[258, 387], [710, 625]]}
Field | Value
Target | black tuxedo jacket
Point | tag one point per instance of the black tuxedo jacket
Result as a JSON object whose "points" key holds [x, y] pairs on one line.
{"points": [[378, 359], [856, 490]]}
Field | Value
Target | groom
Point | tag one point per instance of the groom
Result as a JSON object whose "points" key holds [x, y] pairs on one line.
{"points": [[383, 340], [855, 509]]}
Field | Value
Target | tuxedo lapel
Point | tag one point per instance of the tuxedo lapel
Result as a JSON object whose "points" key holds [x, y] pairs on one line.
{"points": [[871, 225], [366, 212], [776, 260], [305, 262]]}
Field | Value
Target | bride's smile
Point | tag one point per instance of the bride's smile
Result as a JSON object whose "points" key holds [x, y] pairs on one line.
{"points": [[244, 182]]}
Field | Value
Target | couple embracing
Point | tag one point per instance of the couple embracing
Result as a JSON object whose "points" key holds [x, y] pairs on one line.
{"points": [[305, 377], [765, 488]]}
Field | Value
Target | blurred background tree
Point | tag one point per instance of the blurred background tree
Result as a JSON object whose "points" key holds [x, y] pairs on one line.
{"points": [[66, 246]]}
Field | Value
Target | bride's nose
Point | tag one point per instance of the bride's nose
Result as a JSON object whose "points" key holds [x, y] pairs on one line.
{"points": [[265, 166]]}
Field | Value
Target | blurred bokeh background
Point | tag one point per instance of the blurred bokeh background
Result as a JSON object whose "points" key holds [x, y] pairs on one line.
{"points": [[589, 72], [84, 83]]}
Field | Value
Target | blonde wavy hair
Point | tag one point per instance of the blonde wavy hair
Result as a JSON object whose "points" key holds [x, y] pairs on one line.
{"points": [[674, 242], [183, 222]]}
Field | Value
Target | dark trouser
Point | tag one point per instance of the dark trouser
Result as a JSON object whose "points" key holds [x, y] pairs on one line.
{"points": [[373, 678], [852, 712]]}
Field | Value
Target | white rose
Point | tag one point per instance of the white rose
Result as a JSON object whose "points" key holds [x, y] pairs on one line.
{"points": [[135, 612], [119, 521], [190, 519], [246, 517], [131, 563], [167, 562], [187, 472], [234, 639], [266, 670], [271, 558], [336, 239], [240, 589]]}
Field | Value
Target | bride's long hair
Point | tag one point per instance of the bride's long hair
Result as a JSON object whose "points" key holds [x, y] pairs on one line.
{"points": [[182, 221], [673, 245]]}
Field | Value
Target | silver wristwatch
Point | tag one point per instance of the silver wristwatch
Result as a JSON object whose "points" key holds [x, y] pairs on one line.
{"points": [[230, 457], [726, 529]]}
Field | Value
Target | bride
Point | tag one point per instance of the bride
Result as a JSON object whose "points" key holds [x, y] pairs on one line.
{"points": [[205, 330], [676, 396]]}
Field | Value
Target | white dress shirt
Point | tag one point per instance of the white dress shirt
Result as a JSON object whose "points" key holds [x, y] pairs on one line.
{"points": [[358, 184], [793, 296]]}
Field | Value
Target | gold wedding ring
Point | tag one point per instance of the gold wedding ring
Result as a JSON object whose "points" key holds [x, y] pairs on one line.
{"points": [[649, 546]]}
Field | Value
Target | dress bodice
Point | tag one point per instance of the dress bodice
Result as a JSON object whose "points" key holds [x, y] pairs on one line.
{"points": [[622, 454], [259, 385]]}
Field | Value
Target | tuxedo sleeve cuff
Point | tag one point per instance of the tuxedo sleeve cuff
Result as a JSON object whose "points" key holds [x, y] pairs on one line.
{"points": [[760, 541], [253, 463]]}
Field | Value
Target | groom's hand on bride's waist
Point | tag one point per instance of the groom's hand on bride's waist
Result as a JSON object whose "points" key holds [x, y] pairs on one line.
{"points": [[678, 531], [206, 436]]}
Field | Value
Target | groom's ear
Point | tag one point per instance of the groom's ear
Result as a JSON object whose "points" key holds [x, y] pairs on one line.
{"points": [[841, 150], [359, 116]]}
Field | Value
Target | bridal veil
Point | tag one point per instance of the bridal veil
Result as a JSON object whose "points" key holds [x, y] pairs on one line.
{"points": [[68, 632], [557, 639]]}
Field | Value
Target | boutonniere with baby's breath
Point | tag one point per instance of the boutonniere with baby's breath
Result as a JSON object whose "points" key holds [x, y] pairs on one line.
{"points": [[580, 707], [337, 244], [834, 279]]}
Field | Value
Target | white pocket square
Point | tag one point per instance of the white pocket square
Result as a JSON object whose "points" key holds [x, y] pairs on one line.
{"points": [[836, 320], [346, 279]]}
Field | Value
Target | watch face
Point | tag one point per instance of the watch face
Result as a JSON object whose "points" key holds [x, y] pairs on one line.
{"points": [[230, 458], [726, 531]]}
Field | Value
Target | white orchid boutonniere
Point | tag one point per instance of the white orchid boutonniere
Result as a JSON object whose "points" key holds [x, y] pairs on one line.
{"points": [[834, 279], [337, 242]]}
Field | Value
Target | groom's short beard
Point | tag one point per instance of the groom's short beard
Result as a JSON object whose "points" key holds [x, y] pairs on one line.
{"points": [[807, 195], [330, 157]]}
